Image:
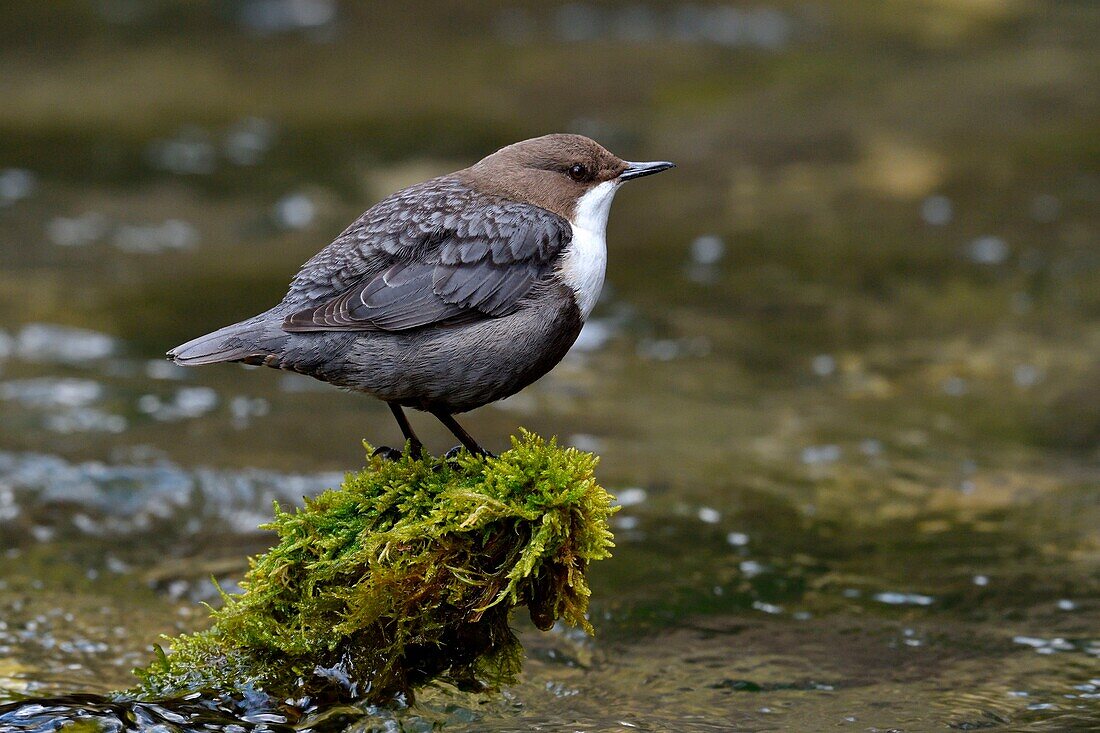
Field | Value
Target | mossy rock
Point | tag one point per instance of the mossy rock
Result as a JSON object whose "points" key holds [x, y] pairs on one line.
{"points": [[407, 573]]}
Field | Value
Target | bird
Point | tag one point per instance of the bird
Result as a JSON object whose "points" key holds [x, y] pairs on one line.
{"points": [[449, 294]]}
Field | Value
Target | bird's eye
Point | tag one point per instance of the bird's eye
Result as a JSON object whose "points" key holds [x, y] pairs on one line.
{"points": [[578, 172]]}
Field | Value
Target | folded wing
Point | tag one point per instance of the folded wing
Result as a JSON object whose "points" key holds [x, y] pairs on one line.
{"points": [[461, 266]]}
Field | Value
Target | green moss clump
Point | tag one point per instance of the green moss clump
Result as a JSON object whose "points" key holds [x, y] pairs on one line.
{"points": [[406, 573]]}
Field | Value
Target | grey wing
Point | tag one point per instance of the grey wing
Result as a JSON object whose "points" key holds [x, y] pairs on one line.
{"points": [[475, 263]]}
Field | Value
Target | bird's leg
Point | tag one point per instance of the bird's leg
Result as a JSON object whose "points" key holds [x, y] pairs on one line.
{"points": [[416, 448], [459, 432]]}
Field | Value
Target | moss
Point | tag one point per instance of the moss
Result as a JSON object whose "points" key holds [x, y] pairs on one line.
{"points": [[407, 573]]}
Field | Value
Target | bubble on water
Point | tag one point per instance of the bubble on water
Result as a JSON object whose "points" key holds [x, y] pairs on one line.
{"points": [[625, 522], [51, 392], [751, 568], [1044, 646], [955, 387], [894, 598], [659, 349], [767, 607], [164, 369], [269, 17], [190, 152], [118, 566], [823, 365], [294, 211], [248, 140], [187, 402], [1065, 604], [631, 496], [172, 234], [707, 249], [737, 539], [45, 342], [16, 184], [42, 534], [1026, 375], [670, 349], [870, 447], [594, 335], [195, 401], [586, 442], [705, 252], [988, 250], [937, 210], [76, 231], [980, 580], [816, 455], [709, 515], [1045, 208], [765, 27], [244, 409], [9, 510]]}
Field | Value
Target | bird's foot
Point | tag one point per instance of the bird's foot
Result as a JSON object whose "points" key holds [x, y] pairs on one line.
{"points": [[414, 449], [387, 453], [453, 452]]}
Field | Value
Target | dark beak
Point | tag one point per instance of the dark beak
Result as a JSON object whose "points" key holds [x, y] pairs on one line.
{"points": [[637, 170]]}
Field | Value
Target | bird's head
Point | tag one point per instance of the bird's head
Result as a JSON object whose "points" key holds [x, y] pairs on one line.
{"points": [[571, 175]]}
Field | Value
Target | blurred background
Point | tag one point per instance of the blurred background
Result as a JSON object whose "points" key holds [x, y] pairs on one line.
{"points": [[843, 378]]}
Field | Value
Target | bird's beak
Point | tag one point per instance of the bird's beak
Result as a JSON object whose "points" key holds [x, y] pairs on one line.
{"points": [[637, 170]]}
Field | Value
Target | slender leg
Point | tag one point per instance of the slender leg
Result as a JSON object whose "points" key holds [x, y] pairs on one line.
{"points": [[459, 432], [415, 446]]}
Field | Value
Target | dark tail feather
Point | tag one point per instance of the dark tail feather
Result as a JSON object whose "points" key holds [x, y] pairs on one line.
{"points": [[232, 343]]}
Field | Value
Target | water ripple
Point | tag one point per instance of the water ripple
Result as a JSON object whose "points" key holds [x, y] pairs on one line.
{"points": [[120, 499]]}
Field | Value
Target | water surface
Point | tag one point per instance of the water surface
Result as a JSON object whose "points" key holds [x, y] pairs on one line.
{"points": [[843, 380]]}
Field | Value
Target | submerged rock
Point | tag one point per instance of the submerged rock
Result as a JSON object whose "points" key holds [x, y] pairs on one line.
{"points": [[405, 574]]}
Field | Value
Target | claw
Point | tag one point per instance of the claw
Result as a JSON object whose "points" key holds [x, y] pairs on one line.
{"points": [[453, 453], [387, 453]]}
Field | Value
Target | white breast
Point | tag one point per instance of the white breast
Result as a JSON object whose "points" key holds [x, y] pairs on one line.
{"points": [[585, 261]]}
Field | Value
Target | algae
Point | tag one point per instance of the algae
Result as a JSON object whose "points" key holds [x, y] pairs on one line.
{"points": [[407, 573]]}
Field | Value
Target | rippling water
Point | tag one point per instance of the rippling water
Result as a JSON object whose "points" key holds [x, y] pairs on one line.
{"points": [[843, 381]]}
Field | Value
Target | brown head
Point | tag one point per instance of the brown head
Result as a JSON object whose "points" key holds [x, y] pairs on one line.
{"points": [[553, 172]]}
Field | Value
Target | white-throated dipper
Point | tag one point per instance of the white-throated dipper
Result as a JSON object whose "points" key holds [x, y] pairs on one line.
{"points": [[452, 293]]}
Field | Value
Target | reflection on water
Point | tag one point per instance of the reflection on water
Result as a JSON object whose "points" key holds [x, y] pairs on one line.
{"points": [[843, 380]]}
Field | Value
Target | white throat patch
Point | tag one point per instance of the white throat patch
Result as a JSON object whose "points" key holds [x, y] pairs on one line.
{"points": [[584, 263]]}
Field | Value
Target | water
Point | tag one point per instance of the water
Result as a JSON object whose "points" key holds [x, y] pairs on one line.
{"points": [[843, 379]]}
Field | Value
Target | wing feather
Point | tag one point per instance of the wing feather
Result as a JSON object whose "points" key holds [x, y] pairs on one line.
{"points": [[445, 260]]}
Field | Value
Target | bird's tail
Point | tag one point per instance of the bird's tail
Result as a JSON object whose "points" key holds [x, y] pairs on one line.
{"points": [[239, 342]]}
